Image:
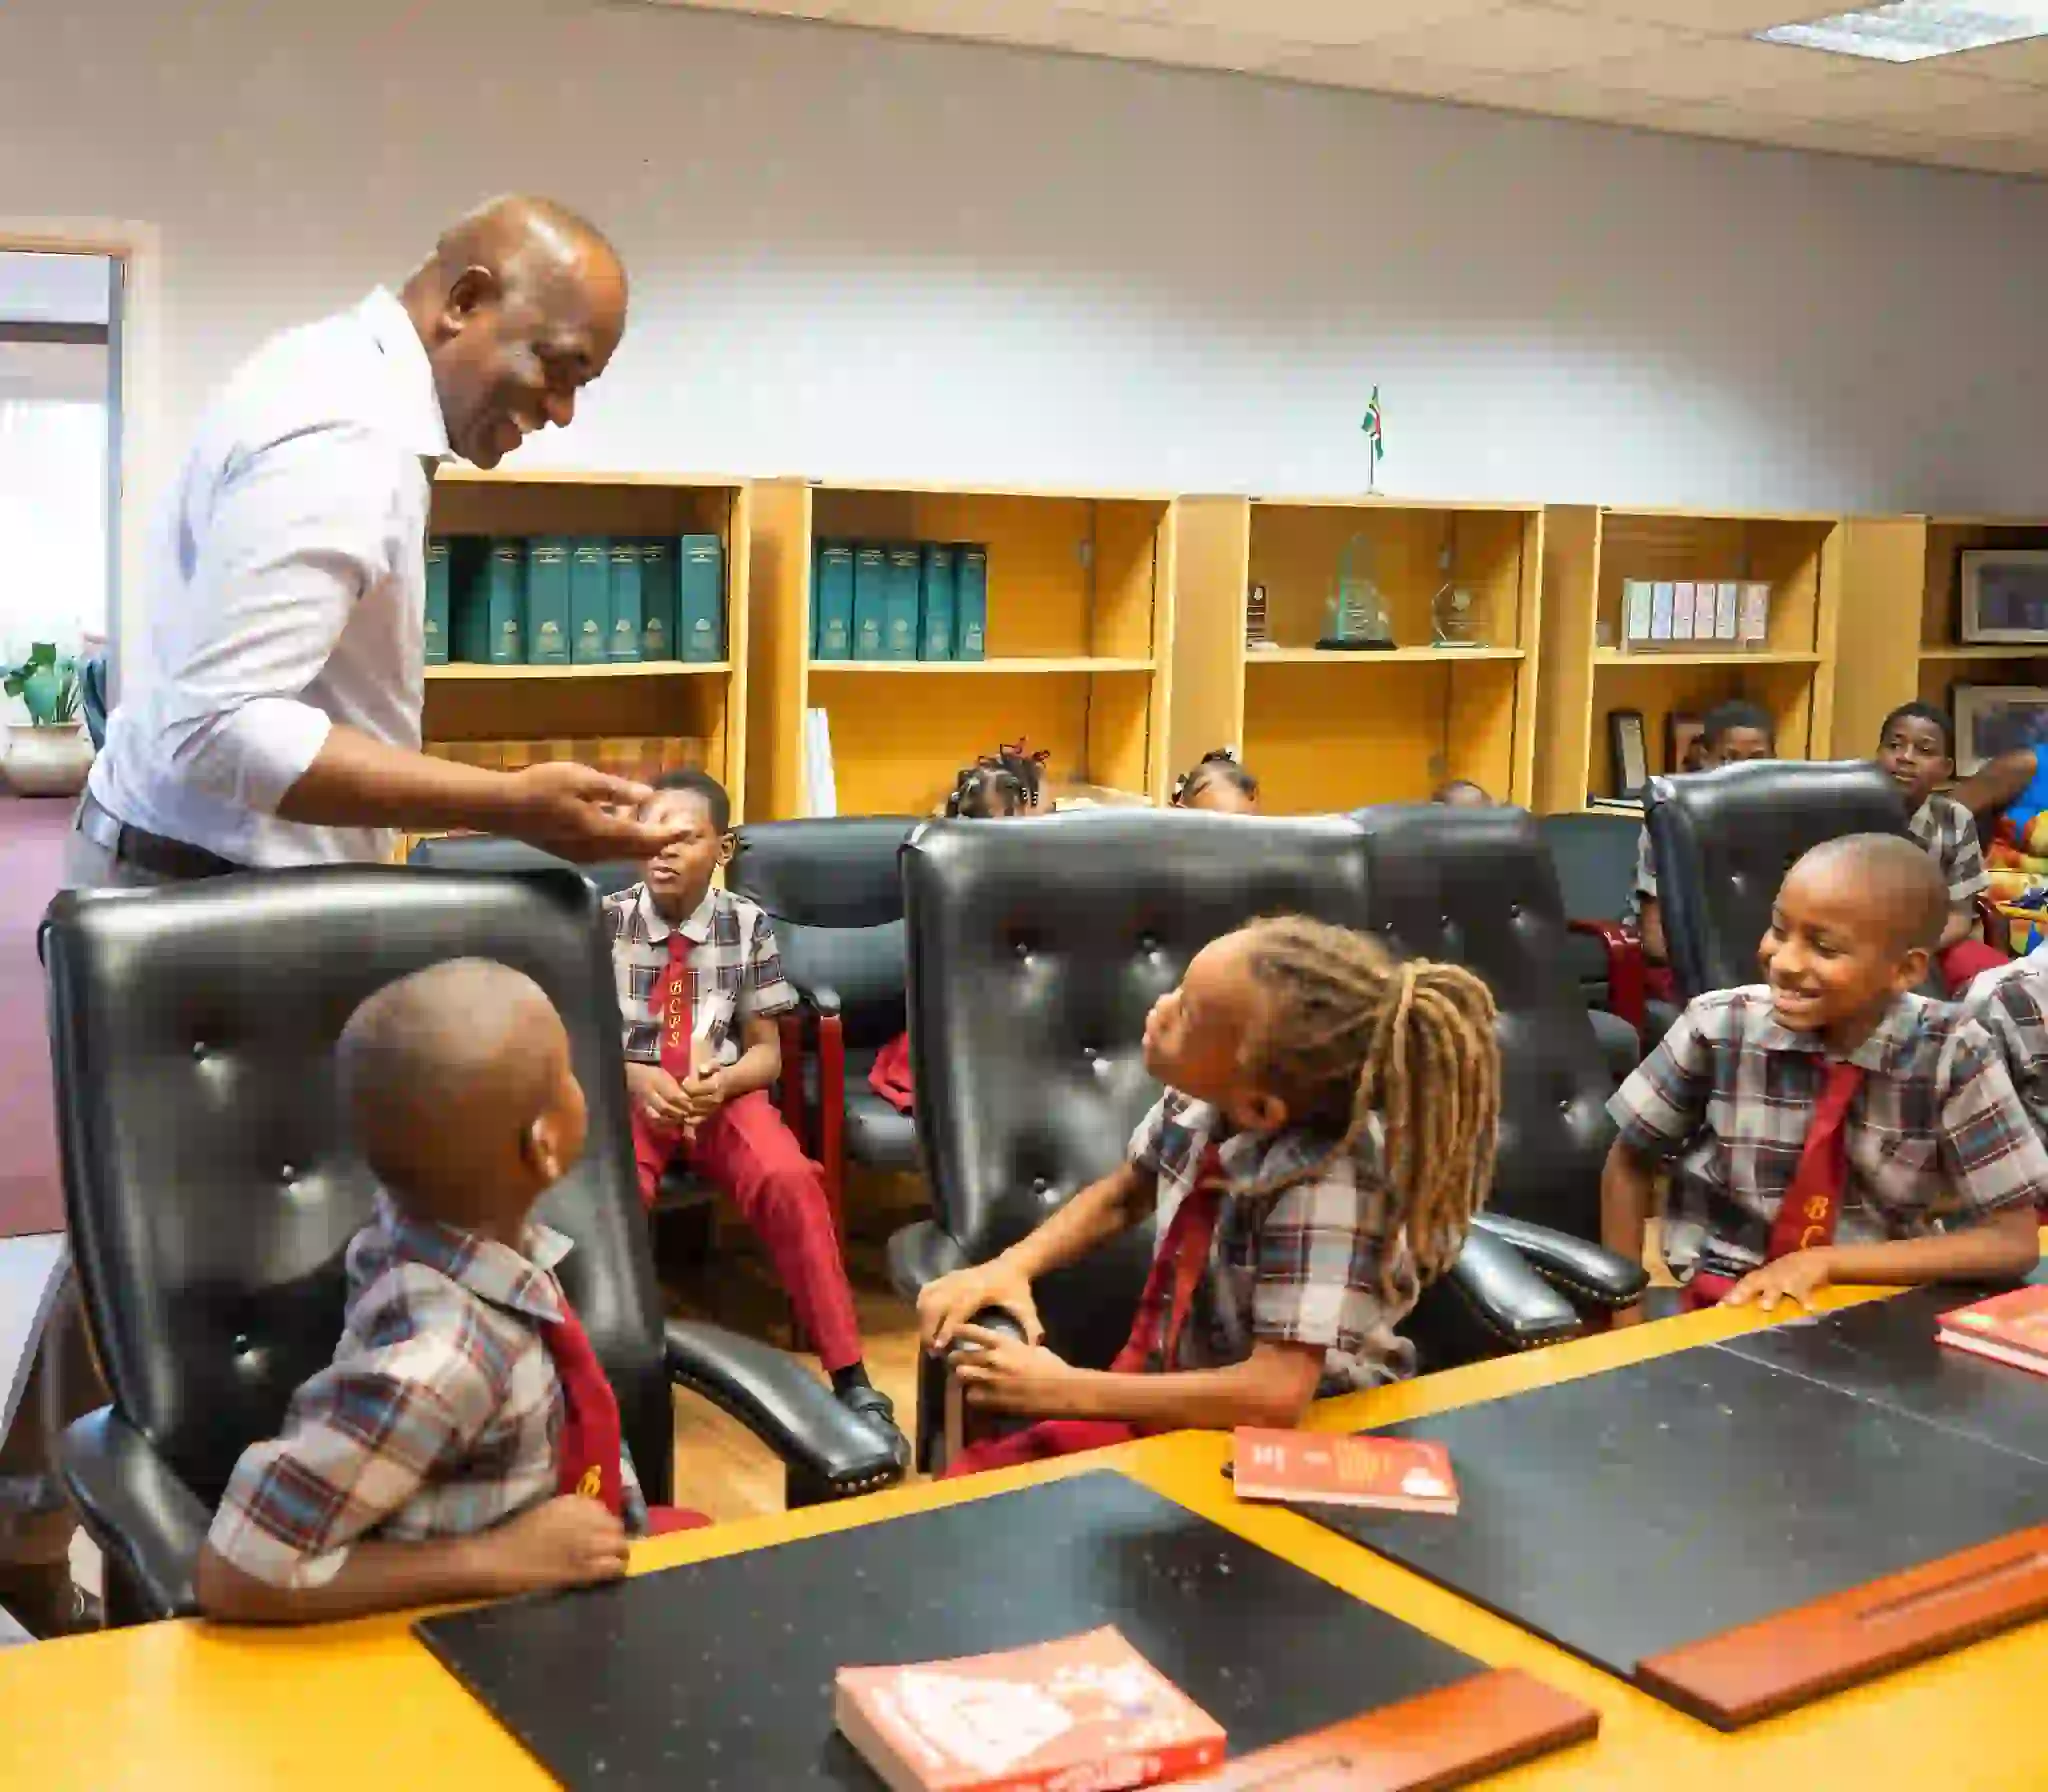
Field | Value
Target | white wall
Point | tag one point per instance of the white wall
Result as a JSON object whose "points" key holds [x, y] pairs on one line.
{"points": [[863, 256]]}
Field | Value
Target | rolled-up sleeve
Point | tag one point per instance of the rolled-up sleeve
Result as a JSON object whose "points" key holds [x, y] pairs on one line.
{"points": [[298, 531]]}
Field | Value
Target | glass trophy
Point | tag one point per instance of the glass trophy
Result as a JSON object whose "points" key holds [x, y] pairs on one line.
{"points": [[1355, 618], [1454, 617]]}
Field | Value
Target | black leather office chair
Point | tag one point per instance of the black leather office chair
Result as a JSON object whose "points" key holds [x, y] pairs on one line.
{"points": [[835, 895], [1037, 948], [1476, 887], [210, 1194], [92, 698], [1725, 839], [495, 853], [1594, 856]]}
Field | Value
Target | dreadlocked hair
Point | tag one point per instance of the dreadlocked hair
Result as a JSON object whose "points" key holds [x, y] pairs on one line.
{"points": [[1353, 1032]]}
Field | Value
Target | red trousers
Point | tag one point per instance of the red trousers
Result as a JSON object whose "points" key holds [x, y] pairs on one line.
{"points": [[1964, 960], [1040, 1443], [748, 1154]]}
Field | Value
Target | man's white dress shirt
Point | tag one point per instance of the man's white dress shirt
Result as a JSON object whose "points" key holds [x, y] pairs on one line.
{"points": [[286, 592]]}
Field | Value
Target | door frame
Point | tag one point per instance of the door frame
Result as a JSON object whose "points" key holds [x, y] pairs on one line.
{"points": [[138, 247]]}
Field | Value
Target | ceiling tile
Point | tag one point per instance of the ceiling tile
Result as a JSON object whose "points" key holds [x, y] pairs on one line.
{"points": [[1316, 23], [2023, 62], [1560, 95], [1190, 46], [1739, 125], [1719, 71], [1715, 18], [1374, 70], [1534, 39], [2018, 112], [1017, 21]]}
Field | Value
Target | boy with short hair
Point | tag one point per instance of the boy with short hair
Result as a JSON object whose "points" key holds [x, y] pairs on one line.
{"points": [[1916, 748], [1731, 733], [1824, 1122], [464, 1443], [699, 984]]}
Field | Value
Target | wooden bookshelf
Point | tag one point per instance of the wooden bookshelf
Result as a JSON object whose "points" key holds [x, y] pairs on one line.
{"points": [[1329, 729], [1900, 625], [705, 702], [1078, 641], [1586, 674]]}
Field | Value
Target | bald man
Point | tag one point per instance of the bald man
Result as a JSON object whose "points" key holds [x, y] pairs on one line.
{"points": [[271, 715]]}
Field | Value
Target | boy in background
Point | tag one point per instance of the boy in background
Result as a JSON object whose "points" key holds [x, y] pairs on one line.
{"points": [[1916, 748], [700, 984], [1830, 1125], [1731, 733]]}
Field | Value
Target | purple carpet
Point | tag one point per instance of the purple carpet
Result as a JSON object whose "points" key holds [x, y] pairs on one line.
{"points": [[32, 833]]}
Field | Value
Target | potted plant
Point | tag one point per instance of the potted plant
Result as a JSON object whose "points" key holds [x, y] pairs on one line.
{"points": [[51, 756]]}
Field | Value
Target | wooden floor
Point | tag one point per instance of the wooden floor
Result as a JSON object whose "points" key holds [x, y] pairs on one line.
{"points": [[720, 1467]]}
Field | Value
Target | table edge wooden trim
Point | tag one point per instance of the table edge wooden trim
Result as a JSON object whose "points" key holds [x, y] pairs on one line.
{"points": [[1777, 1663]]}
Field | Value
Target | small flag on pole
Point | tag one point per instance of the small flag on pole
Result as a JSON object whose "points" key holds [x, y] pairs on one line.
{"points": [[1372, 426]]}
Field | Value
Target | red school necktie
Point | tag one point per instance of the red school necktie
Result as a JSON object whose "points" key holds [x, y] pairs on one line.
{"points": [[587, 1453], [1812, 1206], [1177, 1266], [673, 1004]]}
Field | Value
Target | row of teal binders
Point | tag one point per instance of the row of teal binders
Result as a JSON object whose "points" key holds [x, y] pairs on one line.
{"points": [[584, 599], [923, 600]]}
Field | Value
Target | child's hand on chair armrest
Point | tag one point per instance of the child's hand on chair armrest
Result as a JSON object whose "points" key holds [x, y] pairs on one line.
{"points": [[949, 1302]]}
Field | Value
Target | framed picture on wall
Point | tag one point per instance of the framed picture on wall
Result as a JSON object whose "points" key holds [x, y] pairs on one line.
{"points": [[1685, 742], [1995, 718], [2003, 595], [1625, 743]]}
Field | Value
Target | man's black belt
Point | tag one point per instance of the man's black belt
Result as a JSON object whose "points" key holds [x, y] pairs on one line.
{"points": [[157, 854]]}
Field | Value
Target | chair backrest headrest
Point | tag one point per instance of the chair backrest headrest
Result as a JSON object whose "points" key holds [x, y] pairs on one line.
{"points": [[1725, 839], [209, 1188], [1037, 949], [1476, 887], [1594, 857], [833, 891], [497, 854]]}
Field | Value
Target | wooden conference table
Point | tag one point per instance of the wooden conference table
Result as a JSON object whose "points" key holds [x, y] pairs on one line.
{"points": [[363, 1706]]}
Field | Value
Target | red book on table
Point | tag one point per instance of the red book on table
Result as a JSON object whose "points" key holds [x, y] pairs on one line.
{"points": [[1402, 1474], [2009, 1328], [1084, 1711]]}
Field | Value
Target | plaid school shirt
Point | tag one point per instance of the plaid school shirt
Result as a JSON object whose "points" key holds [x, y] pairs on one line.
{"points": [[735, 970], [2011, 1003], [437, 1418], [1935, 1133], [1949, 832], [1300, 1267]]}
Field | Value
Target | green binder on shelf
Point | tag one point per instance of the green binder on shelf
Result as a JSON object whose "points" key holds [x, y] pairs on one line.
{"points": [[700, 598], [590, 598], [970, 603], [658, 599], [547, 601], [899, 602], [627, 622], [832, 602], [870, 600], [434, 628], [938, 578], [490, 601]]}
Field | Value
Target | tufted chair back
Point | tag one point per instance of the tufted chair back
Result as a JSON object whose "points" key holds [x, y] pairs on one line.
{"points": [[208, 1187], [1725, 839], [833, 891], [495, 853], [1476, 887], [1037, 949]]}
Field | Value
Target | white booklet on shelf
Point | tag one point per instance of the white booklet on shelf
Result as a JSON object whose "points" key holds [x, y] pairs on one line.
{"points": [[821, 792]]}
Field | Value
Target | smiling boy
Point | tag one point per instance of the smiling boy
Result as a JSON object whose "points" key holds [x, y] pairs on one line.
{"points": [[1916, 749], [1829, 1125]]}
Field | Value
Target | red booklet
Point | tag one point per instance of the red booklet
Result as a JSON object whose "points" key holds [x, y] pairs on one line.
{"points": [[2010, 1328], [1403, 1474], [1084, 1714]]}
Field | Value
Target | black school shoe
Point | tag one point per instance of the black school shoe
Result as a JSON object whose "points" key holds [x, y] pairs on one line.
{"points": [[879, 1411]]}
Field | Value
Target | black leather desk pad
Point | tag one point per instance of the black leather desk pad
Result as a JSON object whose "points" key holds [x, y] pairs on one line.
{"points": [[1885, 1351], [1632, 1512], [719, 1674]]}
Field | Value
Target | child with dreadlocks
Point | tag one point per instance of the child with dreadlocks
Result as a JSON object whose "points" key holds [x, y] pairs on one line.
{"points": [[1326, 1135], [1217, 781]]}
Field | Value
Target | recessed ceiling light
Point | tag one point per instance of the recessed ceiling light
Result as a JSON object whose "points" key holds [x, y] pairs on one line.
{"points": [[1913, 30]]}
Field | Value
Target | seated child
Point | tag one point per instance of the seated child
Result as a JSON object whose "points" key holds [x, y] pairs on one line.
{"points": [[699, 985], [988, 791], [1326, 1135], [1916, 746], [1829, 1125], [1731, 733], [1461, 793], [464, 1443], [1218, 782]]}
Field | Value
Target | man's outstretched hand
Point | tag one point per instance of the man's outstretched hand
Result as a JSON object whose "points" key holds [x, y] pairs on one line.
{"points": [[577, 813]]}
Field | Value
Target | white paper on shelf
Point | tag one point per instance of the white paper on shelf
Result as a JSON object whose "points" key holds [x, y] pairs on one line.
{"points": [[821, 790]]}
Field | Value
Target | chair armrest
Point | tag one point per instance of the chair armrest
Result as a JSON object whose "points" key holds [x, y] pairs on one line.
{"points": [[1626, 992], [830, 1451], [1997, 927], [149, 1523], [1589, 1274], [992, 1319], [1511, 1304], [920, 1253], [823, 1000], [789, 1037]]}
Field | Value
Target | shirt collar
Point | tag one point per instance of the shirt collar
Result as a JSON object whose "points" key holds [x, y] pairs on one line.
{"points": [[522, 1280], [697, 929], [1896, 1030], [416, 405]]}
